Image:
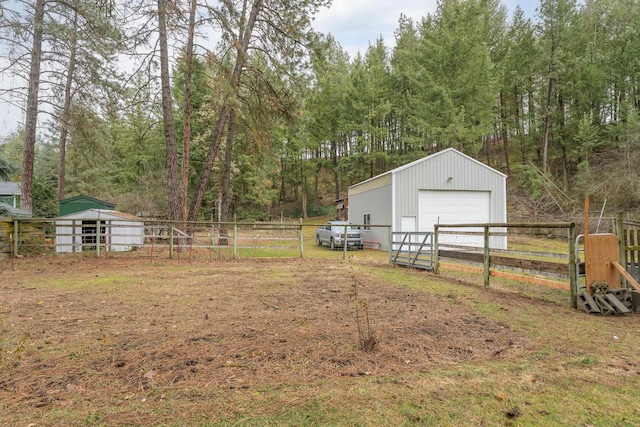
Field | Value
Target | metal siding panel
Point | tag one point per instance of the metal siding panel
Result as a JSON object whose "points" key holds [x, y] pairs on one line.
{"points": [[434, 173], [371, 184], [376, 202]]}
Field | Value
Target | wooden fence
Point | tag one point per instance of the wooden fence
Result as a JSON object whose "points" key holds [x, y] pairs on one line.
{"points": [[526, 261], [630, 236]]}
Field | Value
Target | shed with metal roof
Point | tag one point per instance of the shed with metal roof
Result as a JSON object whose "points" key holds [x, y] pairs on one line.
{"points": [[113, 230]]}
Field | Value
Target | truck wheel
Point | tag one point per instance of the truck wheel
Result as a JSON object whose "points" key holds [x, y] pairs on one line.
{"points": [[318, 241]]}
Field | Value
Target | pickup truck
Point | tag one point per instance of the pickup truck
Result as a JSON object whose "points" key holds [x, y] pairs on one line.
{"points": [[332, 233]]}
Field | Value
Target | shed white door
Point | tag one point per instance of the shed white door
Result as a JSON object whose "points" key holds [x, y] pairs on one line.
{"points": [[454, 207]]}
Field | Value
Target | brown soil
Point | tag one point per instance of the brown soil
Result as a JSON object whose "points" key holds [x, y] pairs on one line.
{"points": [[81, 329]]}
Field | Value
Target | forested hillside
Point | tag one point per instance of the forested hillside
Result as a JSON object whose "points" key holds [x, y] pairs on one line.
{"points": [[186, 110]]}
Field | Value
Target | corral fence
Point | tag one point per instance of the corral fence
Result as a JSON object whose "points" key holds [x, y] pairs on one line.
{"points": [[562, 266], [483, 248], [150, 237], [478, 248]]}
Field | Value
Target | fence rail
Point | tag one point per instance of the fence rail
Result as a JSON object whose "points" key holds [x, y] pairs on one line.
{"points": [[100, 236], [492, 263], [482, 245]]}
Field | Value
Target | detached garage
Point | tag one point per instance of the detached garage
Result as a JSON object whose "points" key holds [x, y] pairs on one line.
{"points": [[78, 231], [447, 187]]}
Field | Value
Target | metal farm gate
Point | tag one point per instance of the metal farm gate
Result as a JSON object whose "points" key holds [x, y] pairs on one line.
{"points": [[413, 249]]}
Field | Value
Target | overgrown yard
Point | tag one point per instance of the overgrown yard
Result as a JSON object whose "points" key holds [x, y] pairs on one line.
{"points": [[130, 341]]}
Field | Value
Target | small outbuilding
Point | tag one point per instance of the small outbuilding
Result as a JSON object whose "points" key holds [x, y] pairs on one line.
{"points": [[447, 187], [342, 209], [78, 232], [82, 203]]}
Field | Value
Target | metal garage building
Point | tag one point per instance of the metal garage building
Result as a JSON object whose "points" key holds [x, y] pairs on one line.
{"points": [[447, 187]]}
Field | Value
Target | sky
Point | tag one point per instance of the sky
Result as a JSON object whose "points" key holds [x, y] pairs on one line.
{"points": [[353, 23], [357, 23]]}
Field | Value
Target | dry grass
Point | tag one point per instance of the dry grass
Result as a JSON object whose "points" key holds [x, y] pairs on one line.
{"points": [[132, 341]]}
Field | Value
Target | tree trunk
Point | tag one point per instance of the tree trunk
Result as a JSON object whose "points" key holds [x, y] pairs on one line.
{"points": [[66, 110], [531, 115], [173, 186], [304, 204], [334, 160], [225, 205], [205, 175], [565, 170], [228, 105], [505, 133], [519, 122], [488, 147], [316, 182], [31, 117], [282, 180], [186, 135], [547, 125], [303, 181]]}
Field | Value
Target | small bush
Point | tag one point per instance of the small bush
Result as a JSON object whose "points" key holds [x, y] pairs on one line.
{"points": [[368, 338]]}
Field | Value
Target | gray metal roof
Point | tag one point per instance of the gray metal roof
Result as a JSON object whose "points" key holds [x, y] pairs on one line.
{"points": [[443, 152], [429, 158], [100, 214], [11, 212], [9, 188]]}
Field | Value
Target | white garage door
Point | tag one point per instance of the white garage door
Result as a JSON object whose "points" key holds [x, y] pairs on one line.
{"points": [[454, 207]]}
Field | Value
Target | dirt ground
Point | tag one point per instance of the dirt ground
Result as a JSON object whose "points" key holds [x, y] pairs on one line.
{"points": [[77, 327], [80, 333]]}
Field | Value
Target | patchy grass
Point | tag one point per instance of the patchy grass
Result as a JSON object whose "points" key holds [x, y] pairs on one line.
{"points": [[129, 341]]}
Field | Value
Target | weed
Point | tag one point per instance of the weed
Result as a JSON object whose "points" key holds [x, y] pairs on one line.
{"points": [[367, 335], [11, 358], [583, 361]]}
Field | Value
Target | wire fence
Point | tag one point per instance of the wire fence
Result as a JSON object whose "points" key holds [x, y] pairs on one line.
{"points": [[495, 248], [152, 237]]}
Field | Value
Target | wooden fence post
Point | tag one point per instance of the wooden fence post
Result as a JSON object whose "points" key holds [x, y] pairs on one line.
{"points": [[390, 242], [16, 233], [301, 239], [486, 255], [573, 276], [97, 238], [235, 234], [171, 241], [436, 230], [11, 251], [344, 243], [622, 243]]}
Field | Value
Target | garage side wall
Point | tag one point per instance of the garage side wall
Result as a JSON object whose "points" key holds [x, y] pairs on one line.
{"points": [[377, 203]]}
